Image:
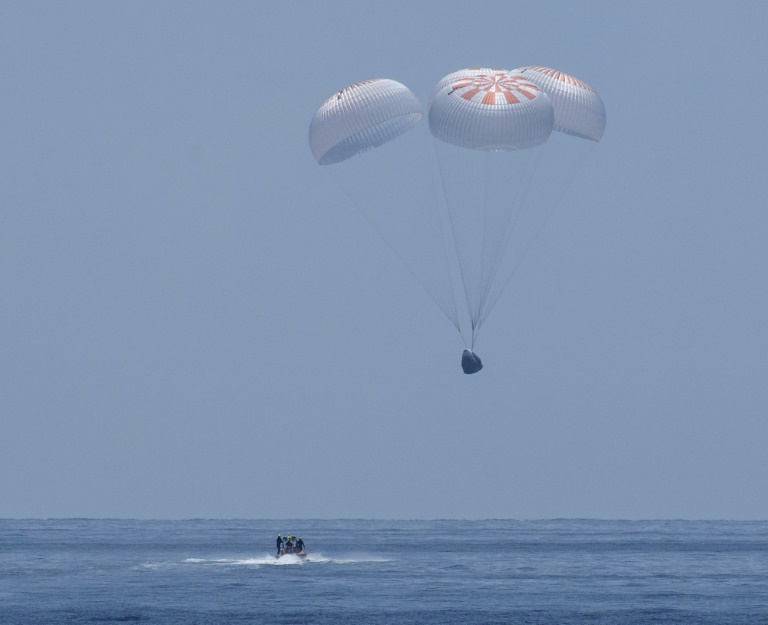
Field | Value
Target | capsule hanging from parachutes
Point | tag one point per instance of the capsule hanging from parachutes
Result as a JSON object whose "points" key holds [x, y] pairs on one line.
{"points": [[470, 362], [489, 128]]}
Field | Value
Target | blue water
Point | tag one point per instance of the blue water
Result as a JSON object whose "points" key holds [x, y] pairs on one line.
{"points": [[394, 572]]}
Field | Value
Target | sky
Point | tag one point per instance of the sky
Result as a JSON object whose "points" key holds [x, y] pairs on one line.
{"points": [[195, 323]]}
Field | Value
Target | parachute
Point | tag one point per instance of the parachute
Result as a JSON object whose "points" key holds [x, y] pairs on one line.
{"points": [[486, 124], [362, 117], [491, 111], [579, 110], [463, 228]]}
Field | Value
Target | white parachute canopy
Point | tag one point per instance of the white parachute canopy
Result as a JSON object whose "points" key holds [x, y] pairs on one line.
{"points": [[490, 110], [487, 124], [362, 117], [579, 109]]}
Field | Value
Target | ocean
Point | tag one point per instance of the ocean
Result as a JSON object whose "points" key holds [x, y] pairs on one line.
{"points": [[358, 572]]}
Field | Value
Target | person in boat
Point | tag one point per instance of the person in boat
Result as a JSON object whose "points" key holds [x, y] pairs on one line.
{"points": [[299, 545], [279, 544], [289, 545]]}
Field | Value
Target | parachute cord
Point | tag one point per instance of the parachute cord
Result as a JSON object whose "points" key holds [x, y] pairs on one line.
{"points": [[484, 243], [453, 318], [526, 174], [463, 340], [540, 228], [454, 235]]}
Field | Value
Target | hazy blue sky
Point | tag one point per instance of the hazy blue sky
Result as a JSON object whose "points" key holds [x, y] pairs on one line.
{"points": [[184, 291]]}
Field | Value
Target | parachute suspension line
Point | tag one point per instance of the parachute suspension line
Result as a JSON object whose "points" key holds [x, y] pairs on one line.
{"points": [[454, 235], [463, 340], [527, 247], [450, 313], [446, 260], [485, 246], [548, 212], [484, 217], [497, 235], [488, 265], [528, 171]]}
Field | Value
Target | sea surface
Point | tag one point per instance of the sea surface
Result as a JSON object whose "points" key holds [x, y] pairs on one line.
{"points": [[395, 572]]}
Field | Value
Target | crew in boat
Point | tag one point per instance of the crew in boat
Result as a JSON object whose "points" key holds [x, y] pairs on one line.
{"points": [[290, 545]]}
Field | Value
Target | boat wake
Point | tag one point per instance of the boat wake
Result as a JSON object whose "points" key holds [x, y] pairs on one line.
{"points": [[286, 560]]}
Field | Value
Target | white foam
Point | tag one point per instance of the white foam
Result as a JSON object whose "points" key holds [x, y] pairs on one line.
{"points": [[286, 560]]}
